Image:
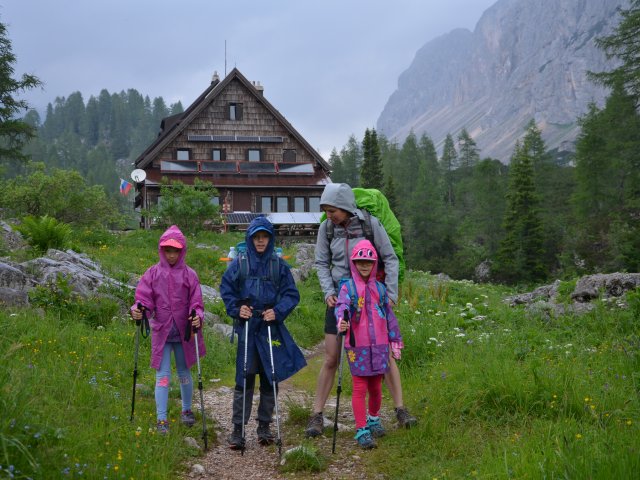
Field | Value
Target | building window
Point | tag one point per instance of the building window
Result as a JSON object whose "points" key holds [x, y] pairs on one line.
{"points": [[183, 154], [254, 155], [218, 154], [215, 201], [289, 155], [235, 111], [282, 204], [265, 204], [314, 204], [298, 204]]}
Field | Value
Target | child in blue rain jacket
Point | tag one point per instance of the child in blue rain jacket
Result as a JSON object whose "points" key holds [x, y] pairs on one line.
{"points": [[255, 300]]}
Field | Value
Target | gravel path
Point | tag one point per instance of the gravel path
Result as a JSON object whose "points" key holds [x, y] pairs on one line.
{"points": [[258, 462]]}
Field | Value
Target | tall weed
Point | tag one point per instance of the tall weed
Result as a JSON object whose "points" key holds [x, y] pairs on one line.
{"points": [[43, 233]]}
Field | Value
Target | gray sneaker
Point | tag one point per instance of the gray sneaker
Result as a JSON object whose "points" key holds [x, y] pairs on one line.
{"points": [[187, 418], [315, 425], [162, 427], [265, 437], [235, 440], [405, 419]]}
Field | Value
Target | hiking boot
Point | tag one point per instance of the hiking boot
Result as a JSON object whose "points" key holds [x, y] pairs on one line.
{"points": [[162, 427], [236, 442], [315, 425], [375, 427], [187, 418], [405, 419], [364, 438], [265, 437]]}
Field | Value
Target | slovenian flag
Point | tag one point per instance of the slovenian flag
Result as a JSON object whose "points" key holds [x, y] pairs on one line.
{"points": [[124, 186]]}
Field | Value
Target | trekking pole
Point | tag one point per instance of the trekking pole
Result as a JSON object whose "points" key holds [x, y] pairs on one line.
{"points": [[338, 391], [244, 376], [204, 421], [140, 324], [275, 390]]}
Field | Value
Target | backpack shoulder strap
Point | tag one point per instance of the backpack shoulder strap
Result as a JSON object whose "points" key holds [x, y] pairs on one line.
{"points": [[353, 295], [382, 293], [330, 230], [367, 228], [243, 266], [274, 270]]}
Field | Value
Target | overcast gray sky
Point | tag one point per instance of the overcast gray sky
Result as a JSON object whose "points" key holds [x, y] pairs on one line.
{"points": [[329, 66]]}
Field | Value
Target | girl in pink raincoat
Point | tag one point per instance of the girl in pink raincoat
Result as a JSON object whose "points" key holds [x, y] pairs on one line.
{"points": [[169, 291], [365, 317]]}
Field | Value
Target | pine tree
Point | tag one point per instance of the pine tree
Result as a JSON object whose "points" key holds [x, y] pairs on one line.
{"points": [[337, 170], [390, 191], [424, 213], [448, 163], [553, 184], [371, 174], [606, 199], [14, 133], [519, 257], [468, 154], [351, 155], [623, 45]]}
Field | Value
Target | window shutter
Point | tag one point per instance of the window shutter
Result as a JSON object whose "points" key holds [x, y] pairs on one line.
{"points": [[238, 111]]}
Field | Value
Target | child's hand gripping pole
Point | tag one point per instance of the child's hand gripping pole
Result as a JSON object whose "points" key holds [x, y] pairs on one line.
{"points": [[194, 324], [341, 334]]}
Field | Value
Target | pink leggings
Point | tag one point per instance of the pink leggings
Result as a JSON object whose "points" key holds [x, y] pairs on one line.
{"points": [[358, 399]]}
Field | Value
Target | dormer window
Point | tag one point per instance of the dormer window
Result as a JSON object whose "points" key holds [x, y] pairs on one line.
{"points": [[235, 111]]}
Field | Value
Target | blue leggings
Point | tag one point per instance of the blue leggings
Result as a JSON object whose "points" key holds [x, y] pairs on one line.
{"points": [[163, 377]]}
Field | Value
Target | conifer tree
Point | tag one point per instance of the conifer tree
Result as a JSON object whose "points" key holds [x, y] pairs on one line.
{"points": [[519, 258], [448, 163], [606, 200], [371, 174], [351, 155], [623, 45], [337, 170], [390, 191], [468, 154], [14, 133]]}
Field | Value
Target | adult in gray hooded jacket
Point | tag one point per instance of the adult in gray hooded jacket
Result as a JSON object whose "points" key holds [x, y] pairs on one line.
{"points": [[332, 264]]}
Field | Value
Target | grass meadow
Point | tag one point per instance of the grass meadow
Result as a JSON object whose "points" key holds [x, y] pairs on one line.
{"points": [[500, 393]]}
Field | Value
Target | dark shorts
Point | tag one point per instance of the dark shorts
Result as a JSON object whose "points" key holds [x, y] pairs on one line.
{"points": [[330, 322]]}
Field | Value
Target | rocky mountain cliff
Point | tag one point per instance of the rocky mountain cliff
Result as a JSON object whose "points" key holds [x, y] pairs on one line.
{"points": [[524, 60]]}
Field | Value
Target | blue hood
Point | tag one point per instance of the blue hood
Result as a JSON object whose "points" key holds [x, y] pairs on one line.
{"points": [[257, 224]]}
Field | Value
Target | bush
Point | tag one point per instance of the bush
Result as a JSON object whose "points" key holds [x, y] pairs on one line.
{"points": [[186, 205], [62, 194], [59, 297], [45, 232]]}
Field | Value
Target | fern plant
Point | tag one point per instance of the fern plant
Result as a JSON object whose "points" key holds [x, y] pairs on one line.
{"points": [[43, 233]]}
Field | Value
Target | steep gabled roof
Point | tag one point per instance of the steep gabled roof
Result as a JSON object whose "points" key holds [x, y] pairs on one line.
{"points": [[176, 123]]}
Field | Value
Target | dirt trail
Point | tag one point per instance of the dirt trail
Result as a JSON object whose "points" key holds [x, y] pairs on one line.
{"points": [[259, 462]]}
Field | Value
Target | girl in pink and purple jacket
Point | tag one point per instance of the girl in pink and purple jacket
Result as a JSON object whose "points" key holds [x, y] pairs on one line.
{"points": [[364, 315], [169, 291]]}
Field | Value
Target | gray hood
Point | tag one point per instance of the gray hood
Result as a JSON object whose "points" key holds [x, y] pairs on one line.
{"points": [[339, 195]]}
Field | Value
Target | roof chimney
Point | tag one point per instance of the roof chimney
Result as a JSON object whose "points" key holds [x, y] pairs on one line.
{"points": [[259, 88], [215, 78]]}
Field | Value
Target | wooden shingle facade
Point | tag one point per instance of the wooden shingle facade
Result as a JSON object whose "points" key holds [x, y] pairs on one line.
{"points": [[233, 137]]}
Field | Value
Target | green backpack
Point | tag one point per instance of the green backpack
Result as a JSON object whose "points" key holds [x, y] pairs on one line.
{"points": [[373, 202]]}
